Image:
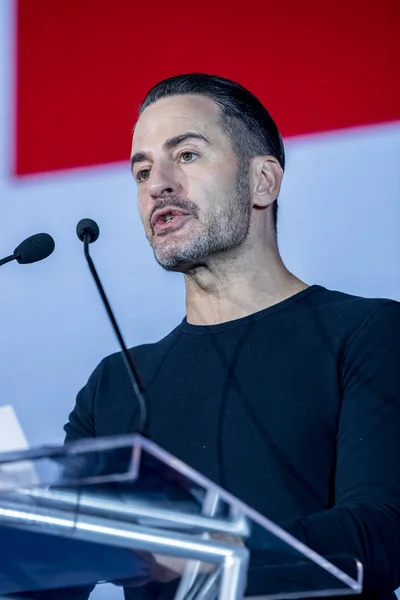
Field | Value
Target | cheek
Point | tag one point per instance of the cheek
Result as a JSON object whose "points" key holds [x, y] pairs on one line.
{"points": [[214, 192]]}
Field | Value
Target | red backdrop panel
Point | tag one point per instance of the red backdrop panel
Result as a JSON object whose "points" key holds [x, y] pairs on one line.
{"points": [[83, 67]]}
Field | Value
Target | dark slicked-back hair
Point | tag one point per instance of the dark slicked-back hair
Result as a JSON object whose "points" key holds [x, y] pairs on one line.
{"points": [[245, 120]]}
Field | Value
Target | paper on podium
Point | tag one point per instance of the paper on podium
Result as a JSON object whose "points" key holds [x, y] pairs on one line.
{"points": [[12, 437]]}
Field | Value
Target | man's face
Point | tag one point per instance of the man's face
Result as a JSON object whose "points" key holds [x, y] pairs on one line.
{"points": [[193, 197]]}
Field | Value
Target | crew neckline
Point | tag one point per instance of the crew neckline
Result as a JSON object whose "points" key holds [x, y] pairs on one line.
{"points": [[261, 314]]}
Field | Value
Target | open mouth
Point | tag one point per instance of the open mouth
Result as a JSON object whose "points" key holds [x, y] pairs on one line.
{"points": [[168, 219]]}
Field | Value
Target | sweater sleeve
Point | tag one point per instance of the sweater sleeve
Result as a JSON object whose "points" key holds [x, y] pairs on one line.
{"points": [[81, 420], [365, 520]]}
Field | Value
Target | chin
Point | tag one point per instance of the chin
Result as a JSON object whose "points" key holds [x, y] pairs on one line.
{"points": [[182, 254], [170, 262], [179, 261]]}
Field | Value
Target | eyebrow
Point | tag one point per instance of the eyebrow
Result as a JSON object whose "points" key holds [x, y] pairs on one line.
{"points": [[169, 144]]}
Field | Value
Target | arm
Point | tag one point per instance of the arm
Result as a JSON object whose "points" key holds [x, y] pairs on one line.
{"points": [[365, 519], [81, 424]]}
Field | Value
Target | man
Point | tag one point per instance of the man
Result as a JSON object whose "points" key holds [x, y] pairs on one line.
{"points": [[285, 394]]}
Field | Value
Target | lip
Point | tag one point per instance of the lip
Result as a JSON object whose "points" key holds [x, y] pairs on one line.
{"points": [[175, 212], [161, 227]]}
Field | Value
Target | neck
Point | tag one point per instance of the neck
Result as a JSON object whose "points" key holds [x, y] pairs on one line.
{"points": [[232, 287]]}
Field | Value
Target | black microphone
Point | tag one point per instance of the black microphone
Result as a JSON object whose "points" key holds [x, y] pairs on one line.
{"points": [[34, 248], [88, 231]]}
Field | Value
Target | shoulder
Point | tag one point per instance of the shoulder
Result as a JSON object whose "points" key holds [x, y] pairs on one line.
{"points": [[348, 315], [144, 357], [367, 332], [106, 405]]}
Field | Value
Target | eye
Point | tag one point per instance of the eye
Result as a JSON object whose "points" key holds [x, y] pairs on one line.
{"points": [[142, 175], [187, 157]]}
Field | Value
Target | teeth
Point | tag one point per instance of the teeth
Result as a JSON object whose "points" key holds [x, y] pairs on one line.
{"points": [[167, 218]]}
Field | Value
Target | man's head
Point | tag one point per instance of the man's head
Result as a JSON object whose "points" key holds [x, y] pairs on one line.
{"points": [[193, 154]]}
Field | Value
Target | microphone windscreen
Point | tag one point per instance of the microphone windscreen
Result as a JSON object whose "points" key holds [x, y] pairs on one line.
{"points": [[87, 227], [34, 248]]}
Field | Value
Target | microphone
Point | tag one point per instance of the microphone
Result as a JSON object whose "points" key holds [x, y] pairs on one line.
{"points": [[88, 231], [34, 248]]}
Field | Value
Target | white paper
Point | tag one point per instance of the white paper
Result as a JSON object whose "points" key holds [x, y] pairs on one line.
{"points": [[12, 437]]}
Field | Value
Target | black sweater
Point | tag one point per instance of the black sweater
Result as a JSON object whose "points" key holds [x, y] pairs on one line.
{"points": [[294, 409]]}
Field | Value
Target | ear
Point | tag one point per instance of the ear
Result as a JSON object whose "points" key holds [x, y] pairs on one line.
{"points": [[266, 178]]}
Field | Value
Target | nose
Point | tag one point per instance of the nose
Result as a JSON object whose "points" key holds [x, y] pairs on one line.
{"points": [[163, 181]]}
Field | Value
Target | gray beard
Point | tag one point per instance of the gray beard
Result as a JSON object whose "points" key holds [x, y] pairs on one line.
{"points": [[226, 228]]}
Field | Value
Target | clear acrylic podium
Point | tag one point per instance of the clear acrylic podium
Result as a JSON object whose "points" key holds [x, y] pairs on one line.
{"points": [[123, 510]]}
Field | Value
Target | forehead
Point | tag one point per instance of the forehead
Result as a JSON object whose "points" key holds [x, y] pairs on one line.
{"points": [[174, 115]]}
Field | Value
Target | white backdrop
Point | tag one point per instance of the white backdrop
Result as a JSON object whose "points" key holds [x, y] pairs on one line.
{"points": [[339, 226]]}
